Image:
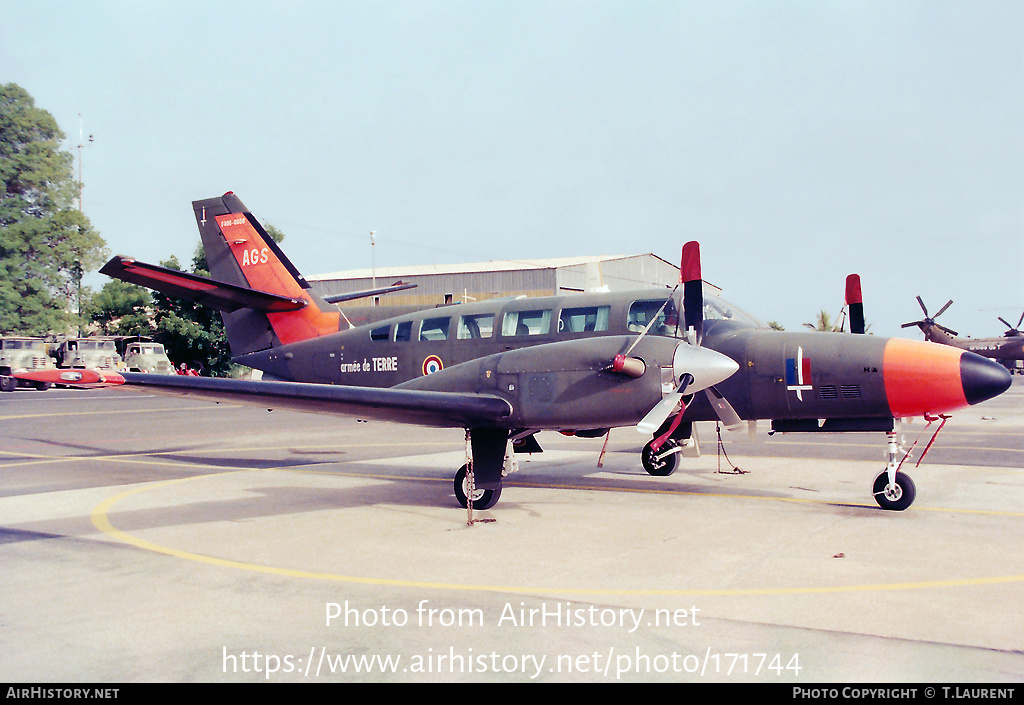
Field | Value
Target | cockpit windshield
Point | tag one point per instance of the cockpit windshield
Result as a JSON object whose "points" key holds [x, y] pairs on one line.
{"points": [[716, 308], [661, 316]]}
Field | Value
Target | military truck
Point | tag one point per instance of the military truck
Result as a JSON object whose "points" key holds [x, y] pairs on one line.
{"points": [[91, 353], [22, 352], [147, 356]]}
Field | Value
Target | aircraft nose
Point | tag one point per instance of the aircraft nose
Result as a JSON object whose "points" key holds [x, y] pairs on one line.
{"points": [[927, 378], [982, 378]]}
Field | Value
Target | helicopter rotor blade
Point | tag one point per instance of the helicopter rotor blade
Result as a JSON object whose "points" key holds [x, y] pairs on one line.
{"points": [[948, 304]]}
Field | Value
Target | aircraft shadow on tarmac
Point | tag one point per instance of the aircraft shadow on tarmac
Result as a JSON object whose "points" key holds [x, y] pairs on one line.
{"points": [[372, 483], [414, 485]]}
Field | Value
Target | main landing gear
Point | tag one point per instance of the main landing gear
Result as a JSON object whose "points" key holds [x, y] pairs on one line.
{"points": [[489, 457], [482, 499], [661, 462], [664, 460]]}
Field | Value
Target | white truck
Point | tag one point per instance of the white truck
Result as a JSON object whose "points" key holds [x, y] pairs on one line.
{"points": [[89, 353], [23, 353], [145, 356]]}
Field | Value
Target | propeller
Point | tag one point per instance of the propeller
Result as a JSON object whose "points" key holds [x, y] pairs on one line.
{"points": [[930, 320], [693, 292], [696, 368], [1012, 331], [855, 302]]}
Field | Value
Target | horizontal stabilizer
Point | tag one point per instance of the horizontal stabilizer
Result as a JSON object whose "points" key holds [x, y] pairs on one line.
{"points": [[218, 295], [339, 298]]}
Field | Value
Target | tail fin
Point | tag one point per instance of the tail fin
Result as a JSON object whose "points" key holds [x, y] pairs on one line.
{"points": [[241, 253]]}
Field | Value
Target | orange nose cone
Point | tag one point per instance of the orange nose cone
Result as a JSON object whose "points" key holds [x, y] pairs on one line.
{"points": [[927, 378]]}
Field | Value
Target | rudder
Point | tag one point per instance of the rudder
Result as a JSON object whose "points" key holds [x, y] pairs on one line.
{"points": [[240, 252]]}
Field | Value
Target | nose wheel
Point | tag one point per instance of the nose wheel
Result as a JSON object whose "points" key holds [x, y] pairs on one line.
{"points": [[894, 490], [895, 496]]}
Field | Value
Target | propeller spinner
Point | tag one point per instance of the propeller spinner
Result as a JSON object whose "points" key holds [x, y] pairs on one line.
{"points": [[696, 369]]}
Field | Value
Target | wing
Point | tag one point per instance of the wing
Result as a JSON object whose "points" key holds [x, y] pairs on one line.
{"points": [[424, 408]]}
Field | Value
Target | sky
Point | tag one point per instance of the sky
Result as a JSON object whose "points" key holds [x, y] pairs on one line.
{"points": [[798, 140]]}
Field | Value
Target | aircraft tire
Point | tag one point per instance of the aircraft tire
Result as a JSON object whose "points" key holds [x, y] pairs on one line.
{"points": [[898, 500], [659, 468], [482, 499]]}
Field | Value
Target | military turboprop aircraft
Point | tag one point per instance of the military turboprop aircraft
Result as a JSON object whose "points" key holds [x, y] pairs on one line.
{"points": [[1007, 350], [504, 369]]}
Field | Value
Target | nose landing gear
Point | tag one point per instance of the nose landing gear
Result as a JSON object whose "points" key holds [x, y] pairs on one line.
{"points": [[894, 495]]}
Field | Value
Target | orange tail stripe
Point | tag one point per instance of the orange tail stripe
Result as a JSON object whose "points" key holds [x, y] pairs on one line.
{"points": [[265, 272], [922, 378]]}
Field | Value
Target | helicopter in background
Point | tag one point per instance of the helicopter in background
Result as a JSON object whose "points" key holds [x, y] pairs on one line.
{"points": [[1007, 350]]}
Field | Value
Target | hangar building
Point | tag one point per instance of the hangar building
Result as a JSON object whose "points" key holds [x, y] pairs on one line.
{"points": [[456, 283]]}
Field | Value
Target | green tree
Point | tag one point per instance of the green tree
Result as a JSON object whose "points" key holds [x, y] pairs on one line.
{"points": [[46, 245], [120, 308], [191, 333]]}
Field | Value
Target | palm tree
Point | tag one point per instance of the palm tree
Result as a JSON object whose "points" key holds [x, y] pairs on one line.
{"points": [[824, 323]]}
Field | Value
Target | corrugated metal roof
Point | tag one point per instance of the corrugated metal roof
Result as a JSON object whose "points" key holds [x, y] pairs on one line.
{"points": [[492, 266]]}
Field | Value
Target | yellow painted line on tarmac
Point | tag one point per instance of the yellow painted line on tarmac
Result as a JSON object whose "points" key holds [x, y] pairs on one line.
{"points": [[150, 456], [108, 412], [101, 520]]}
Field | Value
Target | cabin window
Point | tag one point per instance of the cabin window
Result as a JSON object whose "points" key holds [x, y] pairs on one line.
{"points": [[403, 331], [666, 320], [480, 325], [434, 329], [583, 320], [383, 333], [524, 323]]}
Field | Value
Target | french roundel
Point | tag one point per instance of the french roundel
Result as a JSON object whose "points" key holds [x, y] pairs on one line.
{"points": [[432, 364]]}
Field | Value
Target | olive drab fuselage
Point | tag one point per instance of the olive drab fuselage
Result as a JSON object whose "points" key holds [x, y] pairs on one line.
{"points": [[782, 375]]}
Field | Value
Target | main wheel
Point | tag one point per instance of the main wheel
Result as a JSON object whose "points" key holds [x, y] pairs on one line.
{"points": [[899, 497], [482, 499], [663, 466]]}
